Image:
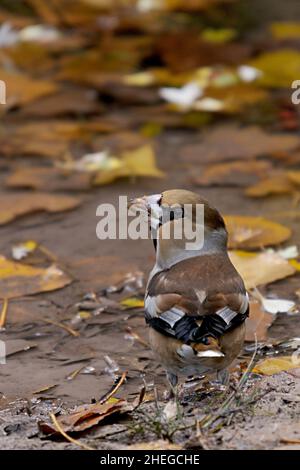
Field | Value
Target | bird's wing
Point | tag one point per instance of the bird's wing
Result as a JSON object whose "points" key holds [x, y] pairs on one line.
{"points": [[196, 298]]}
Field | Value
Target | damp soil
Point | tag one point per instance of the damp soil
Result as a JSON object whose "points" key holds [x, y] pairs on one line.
{"points": [[41, 374]]}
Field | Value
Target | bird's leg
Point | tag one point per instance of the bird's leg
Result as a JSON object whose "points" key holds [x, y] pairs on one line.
{"points": [[173, 381], [223, 377]]}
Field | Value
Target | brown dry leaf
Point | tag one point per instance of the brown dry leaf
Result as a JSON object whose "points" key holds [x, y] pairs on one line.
{"points": [[258, 323], [232, 143], [274, 365], [16, 205], [46, 10], [183, 51], [276, 184], [49, 179], [254, 232], [236, 173], [62, 103], [87, 416], [22, 89], [236, 98], [18, 279], [294, 176], [155, 445], [260, 269], [52, 138]]}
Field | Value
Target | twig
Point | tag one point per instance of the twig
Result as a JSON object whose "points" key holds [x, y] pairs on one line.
{"points": [[66, 436], [65, 327], [137, 337], [108, 395], [285, 440], [3, 313], [207, 421]]}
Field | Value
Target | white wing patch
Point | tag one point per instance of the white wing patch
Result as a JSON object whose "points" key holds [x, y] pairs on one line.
{"points": [[151, 306], [172, 316]]}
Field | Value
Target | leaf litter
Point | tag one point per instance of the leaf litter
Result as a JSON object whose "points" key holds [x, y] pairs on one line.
{"points": [[82, 113]]}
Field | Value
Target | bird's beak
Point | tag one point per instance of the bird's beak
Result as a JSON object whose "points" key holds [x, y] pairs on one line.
{"points": [[145, 203], [140, 204]]}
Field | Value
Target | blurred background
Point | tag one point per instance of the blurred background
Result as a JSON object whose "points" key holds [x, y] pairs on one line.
{"points": [[102, 98]]}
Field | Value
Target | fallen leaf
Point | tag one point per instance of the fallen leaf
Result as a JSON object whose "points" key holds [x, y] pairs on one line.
{"points": [[63, 103], [22, 89], [260, 269], [52, 137], [257, 323], [275, 365], [279, 183], [138, 162], [254, 232], [274, 306], [18, 279], [86, 416], [236, 173], [16, 205], [279, 68], [285, 30], [220, 35], [234, 98], [22, 250], [231, 143], [52, 179], [182, 97], [132, 302], [93, 162]]}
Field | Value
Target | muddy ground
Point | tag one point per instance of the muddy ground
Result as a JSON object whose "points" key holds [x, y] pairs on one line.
{"points": [[49, 370], [98, 264]]}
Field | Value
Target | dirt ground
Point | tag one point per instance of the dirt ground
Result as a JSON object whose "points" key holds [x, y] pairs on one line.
{"points": [[48, 369], [95, 265]]}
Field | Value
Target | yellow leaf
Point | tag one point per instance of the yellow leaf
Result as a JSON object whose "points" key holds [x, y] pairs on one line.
{"points": [[295, 264], [138, 162], [217, 36], [139, 79], [254, 232], [262, 268], [280, 68], [286, 30], [18, 279], [141, 162], [274, 365], [133, 302]]}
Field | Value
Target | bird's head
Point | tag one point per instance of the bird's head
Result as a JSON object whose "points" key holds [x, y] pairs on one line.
{"points": [[173, 213]]}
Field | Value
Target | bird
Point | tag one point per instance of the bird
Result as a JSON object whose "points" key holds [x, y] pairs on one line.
{"points": [[196, 302]]}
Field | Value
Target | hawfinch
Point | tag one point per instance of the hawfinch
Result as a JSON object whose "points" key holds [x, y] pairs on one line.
{"points": [[196, 303]]}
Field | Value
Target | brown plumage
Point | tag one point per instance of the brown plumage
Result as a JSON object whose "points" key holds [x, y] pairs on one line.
{"points": [[195, 302]]}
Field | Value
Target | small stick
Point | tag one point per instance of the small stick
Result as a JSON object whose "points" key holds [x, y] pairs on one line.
{"points": [[65, 327], [284, 440], [114, 390], [66, 436], [137, 337], [3, 313]]}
